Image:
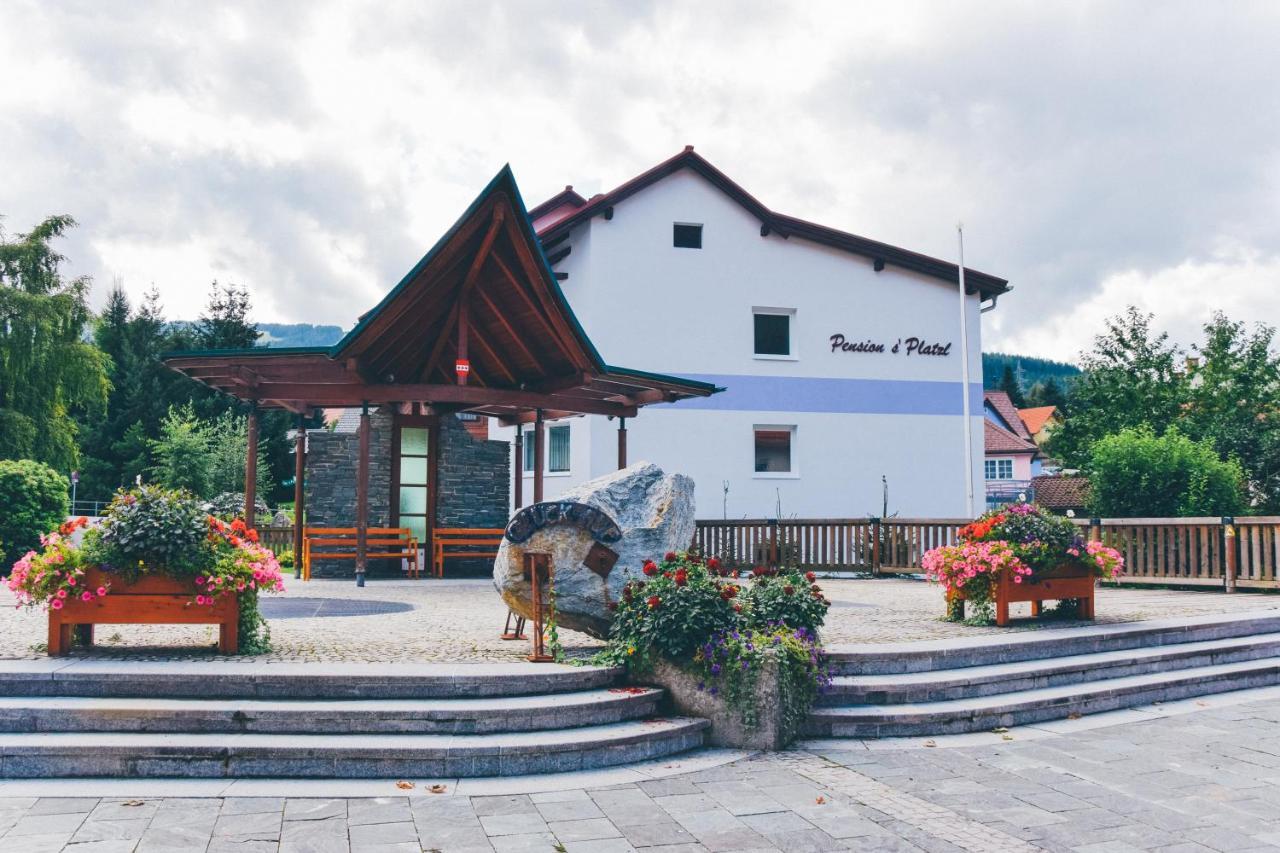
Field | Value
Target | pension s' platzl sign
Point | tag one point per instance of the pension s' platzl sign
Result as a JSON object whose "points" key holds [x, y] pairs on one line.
{"points": [[902, 346]]}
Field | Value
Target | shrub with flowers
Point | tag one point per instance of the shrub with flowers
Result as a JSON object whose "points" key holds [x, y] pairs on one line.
{"points": [[696, 614], [1021, 540], [731, 662], [153, 531]]}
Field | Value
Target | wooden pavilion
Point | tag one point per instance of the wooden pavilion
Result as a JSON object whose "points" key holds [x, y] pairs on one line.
{"points": [[479, 325]]}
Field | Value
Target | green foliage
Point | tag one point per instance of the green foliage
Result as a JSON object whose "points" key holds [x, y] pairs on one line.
{"points": [[254, 632], [1010, 385], [1137, 473], [788, 598], [1132, 378], [673, 611], [47, 371], [152, 529], [1049, 392], [33, 500], [1028, 370], [731, 664], [205, 457]]}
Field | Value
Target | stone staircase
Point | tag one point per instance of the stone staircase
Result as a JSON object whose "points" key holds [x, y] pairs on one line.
{"points": [[980, 683], [93, 718]]}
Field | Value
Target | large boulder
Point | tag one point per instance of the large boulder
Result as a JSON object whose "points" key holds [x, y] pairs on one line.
{"points": [[651, 513]]}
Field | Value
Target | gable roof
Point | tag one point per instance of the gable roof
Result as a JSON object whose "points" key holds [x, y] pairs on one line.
{"points": [[770, 222], [1036, 417], [485, 292], [1008, 413], [1000, 440]]}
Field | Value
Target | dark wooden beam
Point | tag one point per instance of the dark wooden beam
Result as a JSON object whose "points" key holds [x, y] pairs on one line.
{"points": [[251, 470], [516, 340], [539, 455], [362, 499], [333, 395], [464, 293], [299, 493]]}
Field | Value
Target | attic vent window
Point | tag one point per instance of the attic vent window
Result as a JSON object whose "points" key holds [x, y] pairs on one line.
{"points": [[684, 236]]}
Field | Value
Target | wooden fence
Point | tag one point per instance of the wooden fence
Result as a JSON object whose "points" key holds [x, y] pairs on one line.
{"points": [[278, 539], [1219, 552]]}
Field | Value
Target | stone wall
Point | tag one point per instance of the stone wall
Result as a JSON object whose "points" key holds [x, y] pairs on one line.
{"points": [[332, 460], [473, 488]]}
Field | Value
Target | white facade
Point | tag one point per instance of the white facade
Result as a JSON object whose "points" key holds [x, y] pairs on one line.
{"points": [[852, 417]]}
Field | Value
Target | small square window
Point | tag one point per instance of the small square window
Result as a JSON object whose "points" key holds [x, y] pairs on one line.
{"points": [[557, 438], [773, 334], [684, 236], [773, 450]]}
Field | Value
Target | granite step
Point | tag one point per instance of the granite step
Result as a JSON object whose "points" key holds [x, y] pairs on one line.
{"points": [[985, 650], [332, 716], [1020, 707], [972, 681], [417, 757], [236, 679]]}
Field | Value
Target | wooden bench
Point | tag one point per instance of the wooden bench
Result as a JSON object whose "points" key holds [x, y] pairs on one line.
{"points": [[380, 543], [463, 542], [150, 600]]}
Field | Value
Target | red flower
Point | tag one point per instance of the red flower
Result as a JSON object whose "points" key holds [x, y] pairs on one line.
{"points": [[758, 571], [650, 568], [682, 577], [252, 535], [728, 592], [653, 602], [737, 608], [810, 577], [713, 564], [669, 556], [612, 606], [239, 526], [788, 589]]}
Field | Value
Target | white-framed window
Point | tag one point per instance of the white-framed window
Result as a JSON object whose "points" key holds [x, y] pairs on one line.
{"points": [[557, 450], [773, 333], [998, 469], [686, 235], [774, 446]]}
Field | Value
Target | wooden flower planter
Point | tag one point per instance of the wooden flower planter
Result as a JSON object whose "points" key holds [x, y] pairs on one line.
{"points": [[154, 600], [1067, 581]]}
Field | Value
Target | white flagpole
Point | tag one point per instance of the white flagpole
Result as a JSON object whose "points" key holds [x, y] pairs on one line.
{"points": [[964, 378]]}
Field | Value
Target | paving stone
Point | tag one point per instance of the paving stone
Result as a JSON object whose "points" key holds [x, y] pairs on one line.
{"points": [[583, 830], [569, 810], [665, 833], [252, 805], [604, 845], [522, 842], [319, 835], [518, 804], [110, 830], [46, 824], [513, 824], [264, 825], [238, 844], [178, 839], [378, 810], [106, 846], [49, 843], [314, 809], [368, 835], [63, 805]]}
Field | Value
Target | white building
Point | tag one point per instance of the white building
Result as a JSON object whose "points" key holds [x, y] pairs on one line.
{"points": [[840, 356]]}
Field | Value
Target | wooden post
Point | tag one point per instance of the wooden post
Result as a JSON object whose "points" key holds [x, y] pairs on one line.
{"points": [[875, 546], [539, 455], [532, 564], [1229, 553], [362, 499], [622, 443], [1095, 530], [299, 494], [251, 468], [518, 484]]}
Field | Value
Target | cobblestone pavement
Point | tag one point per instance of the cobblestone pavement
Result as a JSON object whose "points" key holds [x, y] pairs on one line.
{"points": [[1202, 781], [459, 621]]}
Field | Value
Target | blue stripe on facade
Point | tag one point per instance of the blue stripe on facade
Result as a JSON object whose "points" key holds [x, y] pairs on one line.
{"points": [[746, 393]]}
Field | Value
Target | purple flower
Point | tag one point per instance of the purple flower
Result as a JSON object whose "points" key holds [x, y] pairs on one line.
{"points": [[715, 669]]}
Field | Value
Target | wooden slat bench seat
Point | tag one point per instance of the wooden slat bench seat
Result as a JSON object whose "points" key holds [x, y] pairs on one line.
{"points": [[463, 542], [318, 543]]}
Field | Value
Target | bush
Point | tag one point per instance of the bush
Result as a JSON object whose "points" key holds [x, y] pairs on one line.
{"points": [[673, 611], [152, 529], [34, 500], [1137, 474], [229, 506], [787, 598]]}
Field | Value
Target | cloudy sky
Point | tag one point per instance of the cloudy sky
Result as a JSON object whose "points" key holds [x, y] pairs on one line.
{"points": [[1099, 154]]}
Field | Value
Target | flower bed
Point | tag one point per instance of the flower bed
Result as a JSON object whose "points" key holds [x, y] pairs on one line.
{"points": [[1019, 553], [155, 558], [741, 650]]}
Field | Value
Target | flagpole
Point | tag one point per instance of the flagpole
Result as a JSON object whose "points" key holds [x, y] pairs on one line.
{"points": [[964, 378]]}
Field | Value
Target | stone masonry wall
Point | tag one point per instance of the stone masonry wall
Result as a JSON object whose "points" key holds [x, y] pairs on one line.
{"points": [[332, 462], [474, 481], [473, 489]]}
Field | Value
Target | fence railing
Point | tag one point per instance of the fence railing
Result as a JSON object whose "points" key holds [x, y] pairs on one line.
{"points": [[1220, 552], [277, 538]]}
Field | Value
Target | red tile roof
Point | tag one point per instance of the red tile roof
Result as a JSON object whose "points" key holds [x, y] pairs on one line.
{"points": [[1061, 492], [1036, 417], [1000, 440], [553, 226], [999, 400]]}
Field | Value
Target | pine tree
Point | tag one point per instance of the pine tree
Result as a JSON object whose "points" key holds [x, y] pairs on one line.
{"points": [[1010, 385]]}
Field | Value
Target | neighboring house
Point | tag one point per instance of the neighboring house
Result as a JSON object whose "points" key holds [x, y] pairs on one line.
{"points": [[1040, 422], [840, 355], [1062, 494], [1012, 458]]}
